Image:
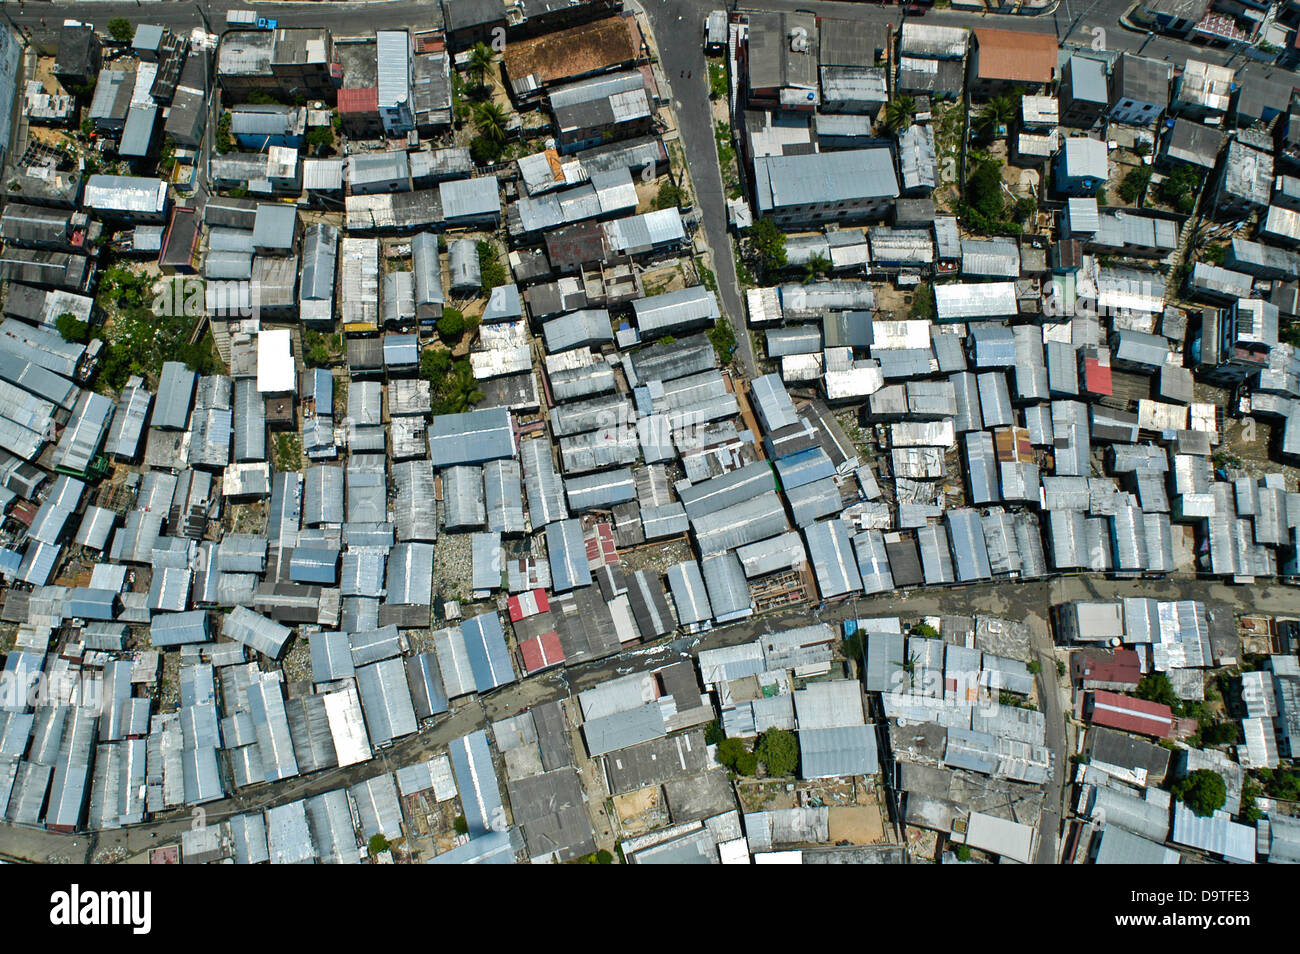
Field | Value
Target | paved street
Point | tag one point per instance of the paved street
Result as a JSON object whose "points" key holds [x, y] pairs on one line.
{"points": [[678, 26], [1049, 696]]}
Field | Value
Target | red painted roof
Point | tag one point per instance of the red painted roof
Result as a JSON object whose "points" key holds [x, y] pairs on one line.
{"points": [[359, 100], [24, 513], [1016, 55], [1121, 666], [1132, 715], [600, 546], [527, 604], [1096, 377], [541, 652]]}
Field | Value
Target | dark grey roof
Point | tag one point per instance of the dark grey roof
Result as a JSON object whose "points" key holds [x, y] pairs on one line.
{"points": [[1142, 80]]}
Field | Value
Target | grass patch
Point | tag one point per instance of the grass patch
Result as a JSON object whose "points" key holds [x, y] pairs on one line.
{"points": [[718, 86], [287, 453]]}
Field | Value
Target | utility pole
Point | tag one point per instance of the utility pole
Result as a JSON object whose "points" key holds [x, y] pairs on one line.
{"points": [[1075, 22], [17, 28], [1056, 20]]}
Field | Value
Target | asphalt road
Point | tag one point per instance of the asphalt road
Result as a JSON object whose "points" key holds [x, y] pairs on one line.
{"points": [[1049, 696], [678, 26]]}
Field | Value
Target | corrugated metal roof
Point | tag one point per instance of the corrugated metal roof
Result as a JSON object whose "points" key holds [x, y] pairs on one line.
{"points": [[728, 591], [832, 559], [823, 178], [567, 552], [471, 437], [256, 631]]}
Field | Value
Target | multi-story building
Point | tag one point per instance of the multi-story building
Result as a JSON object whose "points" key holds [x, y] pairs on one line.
{"points": [[1245, 181], [779, 61], [394, 100], [1084, 94], [1139, 90], [810, 190], [1001, 61], [289, 63]]}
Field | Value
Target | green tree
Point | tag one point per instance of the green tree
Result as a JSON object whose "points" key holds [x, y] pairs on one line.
{"points": [[1179, 188], [462, 826], [1156, 687], [925, 631], [815, 267], [899, 112], [1026, 208], [778, 749], [491, 120], [319, 349], [998, 111], [734, 754], [718, 88], [319, 138], [121, 30], [72, 328], [1218, 733], [492, 273], [768, 243], [723, 338], [603, 857], [451, 382], [713, 733], [1281, 783], [668, 197], [225, 142], [851, 647], [480, 61], [378, 843], [1250, 791], [451, 325], [484, 152], [1135, 184], [984, 200], [1203, 791], [962, 852]]}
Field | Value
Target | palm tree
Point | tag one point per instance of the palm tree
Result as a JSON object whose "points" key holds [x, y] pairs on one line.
{"points": [[480, 61], [492, 122], [817, 265], [899, 113], [998, 111]]}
